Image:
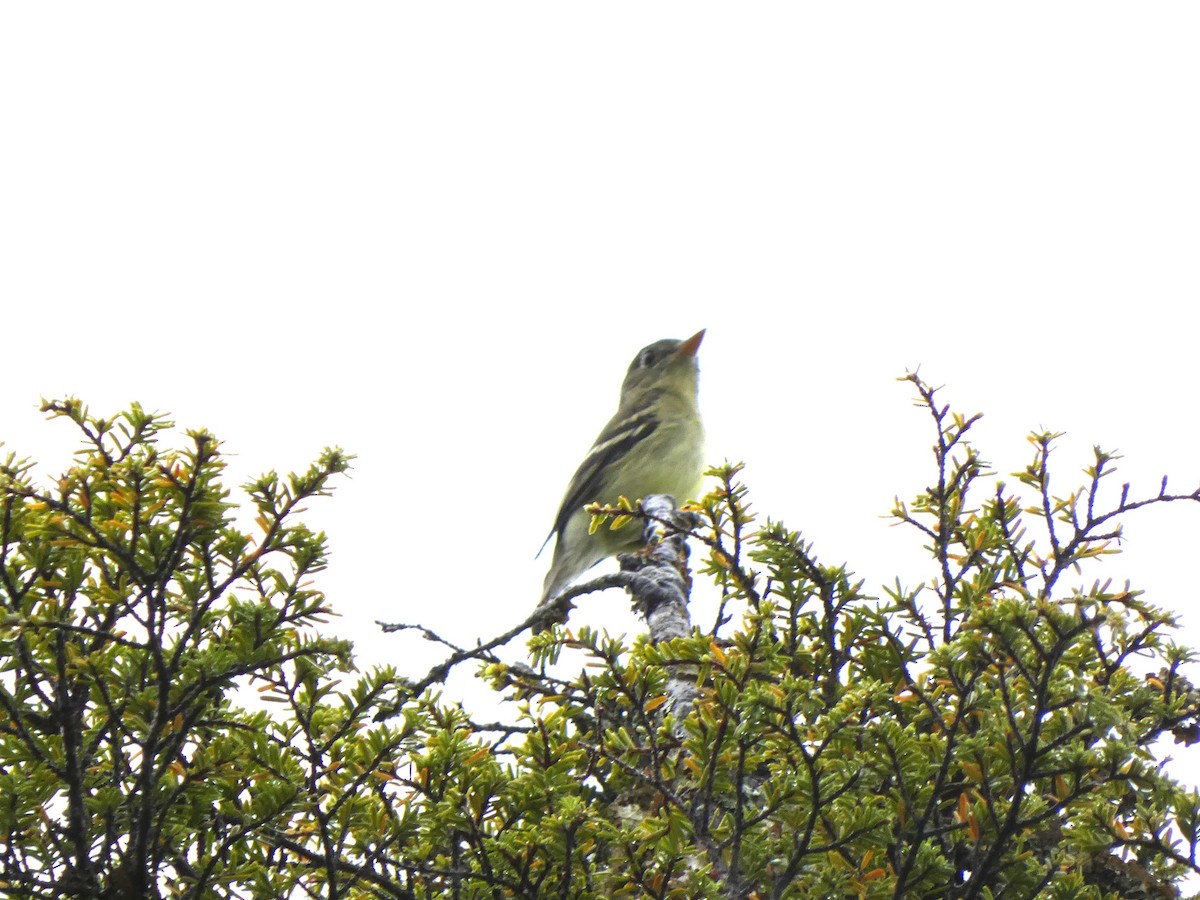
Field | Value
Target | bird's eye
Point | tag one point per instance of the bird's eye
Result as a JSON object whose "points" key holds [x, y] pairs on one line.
{"points": [[647, 359]]}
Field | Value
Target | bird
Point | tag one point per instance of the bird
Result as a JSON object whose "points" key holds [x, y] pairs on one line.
{"points": [[654, 444]]}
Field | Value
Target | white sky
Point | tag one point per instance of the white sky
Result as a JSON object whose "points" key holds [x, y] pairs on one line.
{"points": [[435, 234]]}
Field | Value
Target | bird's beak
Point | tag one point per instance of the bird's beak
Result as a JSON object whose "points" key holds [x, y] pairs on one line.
{"points": [[692, 344]]}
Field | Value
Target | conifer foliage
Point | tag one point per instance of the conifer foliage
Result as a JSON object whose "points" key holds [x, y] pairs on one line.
{"points": [[994, 731]]}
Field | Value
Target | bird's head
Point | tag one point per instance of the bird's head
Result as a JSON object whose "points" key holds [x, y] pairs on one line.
{"points": [[664, 366]]}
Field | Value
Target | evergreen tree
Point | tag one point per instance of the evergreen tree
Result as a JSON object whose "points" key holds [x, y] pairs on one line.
{"points": [[996, 731]]}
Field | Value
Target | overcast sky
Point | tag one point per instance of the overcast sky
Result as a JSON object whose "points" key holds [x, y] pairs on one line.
{"points": [[435, 234]]}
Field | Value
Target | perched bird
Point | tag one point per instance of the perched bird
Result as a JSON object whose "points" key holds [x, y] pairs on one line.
{"points": [[653, 445]]}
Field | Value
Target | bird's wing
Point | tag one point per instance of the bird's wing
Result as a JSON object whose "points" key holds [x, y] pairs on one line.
{"points": [[623, 432]]}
